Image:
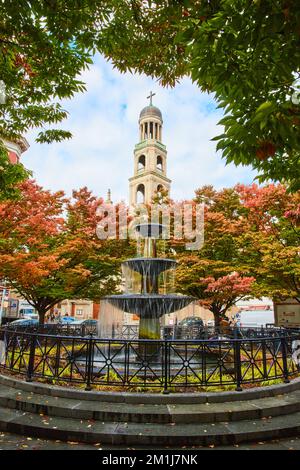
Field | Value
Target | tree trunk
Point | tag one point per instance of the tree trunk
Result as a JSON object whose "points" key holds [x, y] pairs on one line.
{"points": [[217, 318], [42, 314]]}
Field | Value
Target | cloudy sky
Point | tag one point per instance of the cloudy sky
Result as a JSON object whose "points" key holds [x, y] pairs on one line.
{"points": [[104, 123]]}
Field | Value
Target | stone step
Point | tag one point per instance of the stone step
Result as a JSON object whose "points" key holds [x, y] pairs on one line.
{"points": [[151, 398], [74, 408], [172, 434], [81, 409]]}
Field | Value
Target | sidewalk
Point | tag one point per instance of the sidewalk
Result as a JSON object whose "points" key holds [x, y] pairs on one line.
{"points": [[15, 442]]}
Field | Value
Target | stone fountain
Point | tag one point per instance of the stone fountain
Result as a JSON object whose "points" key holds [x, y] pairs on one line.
{"points": [[146, 295]]}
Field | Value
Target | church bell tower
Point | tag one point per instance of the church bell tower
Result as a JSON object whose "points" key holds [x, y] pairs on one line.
{"points": [[150, 158]]}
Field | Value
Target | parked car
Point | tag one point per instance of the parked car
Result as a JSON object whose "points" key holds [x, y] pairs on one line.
{"points": [[191, 321], [85, 327], [31, 316], [70, 326], [67, 319], [190, 328], [90, 323], [24, 323]]}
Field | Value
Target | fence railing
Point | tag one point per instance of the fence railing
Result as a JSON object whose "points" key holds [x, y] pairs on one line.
{"points": [[131, 331], [168, 365], [64, 329]]}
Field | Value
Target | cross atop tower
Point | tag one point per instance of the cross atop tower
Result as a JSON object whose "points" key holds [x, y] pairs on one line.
{"points": [[150, 97]]}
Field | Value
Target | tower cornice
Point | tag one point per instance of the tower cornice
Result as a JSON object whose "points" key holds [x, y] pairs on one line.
{"points": [[150, 143], [143, 174]]}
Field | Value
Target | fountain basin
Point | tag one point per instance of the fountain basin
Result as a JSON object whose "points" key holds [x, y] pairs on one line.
{"points": [[149, 305], [151, 267]]}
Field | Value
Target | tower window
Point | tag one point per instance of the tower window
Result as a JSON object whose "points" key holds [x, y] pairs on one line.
{"points": [[141, 163], [159, 163], [160, 188], [140, 194]]}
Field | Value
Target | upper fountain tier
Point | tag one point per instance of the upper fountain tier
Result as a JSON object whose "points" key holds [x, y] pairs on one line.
{"points": [[151, 267]]}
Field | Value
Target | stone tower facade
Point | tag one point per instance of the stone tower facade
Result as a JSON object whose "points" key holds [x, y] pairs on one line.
{"points": [[150, 158]]}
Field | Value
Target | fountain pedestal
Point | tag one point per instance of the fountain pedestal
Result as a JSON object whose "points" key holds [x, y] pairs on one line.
{"points": [[149, 328]]}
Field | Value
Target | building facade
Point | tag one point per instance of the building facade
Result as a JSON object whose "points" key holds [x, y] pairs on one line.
{"points": [[9, 301], [16, 148], [80, 309]]}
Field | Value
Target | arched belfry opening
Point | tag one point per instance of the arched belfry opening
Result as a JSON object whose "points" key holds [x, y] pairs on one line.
{"points": [[141, 163], [140, 194], [150, 158], [159, 163]]}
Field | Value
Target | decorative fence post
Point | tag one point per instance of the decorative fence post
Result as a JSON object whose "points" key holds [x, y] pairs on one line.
{"points": [[89, 365], [264, 357], [30, 369], [166, 366], [283, 341], [127, 345], [238, 365], [57, 358]]}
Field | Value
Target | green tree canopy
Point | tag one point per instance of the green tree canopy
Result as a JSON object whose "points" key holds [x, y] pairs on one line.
{"points": [[10, 176], [44, 45], [245, 52]]}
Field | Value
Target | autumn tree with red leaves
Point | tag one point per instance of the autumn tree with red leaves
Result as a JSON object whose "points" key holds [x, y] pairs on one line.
{"points": [[251, 247], [223, 293], [271, 238], [214, 284], [214, 274], [49, 250]]}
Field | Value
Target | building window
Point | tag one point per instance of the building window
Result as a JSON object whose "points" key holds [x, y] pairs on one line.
{"points": [[79, 312]]}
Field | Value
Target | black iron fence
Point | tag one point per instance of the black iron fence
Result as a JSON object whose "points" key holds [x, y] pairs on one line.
{"points": [[64, 329], [173, 332], [168, 365]]}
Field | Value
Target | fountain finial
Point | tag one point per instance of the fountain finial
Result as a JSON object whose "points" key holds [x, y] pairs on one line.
{"points": [[150, 230]]}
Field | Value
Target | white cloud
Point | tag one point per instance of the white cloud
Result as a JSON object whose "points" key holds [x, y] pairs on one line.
{"points": [[104, 123]]}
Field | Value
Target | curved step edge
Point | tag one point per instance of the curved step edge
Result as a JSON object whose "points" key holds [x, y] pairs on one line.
{"points": [[152, 398], [158, 435]]}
